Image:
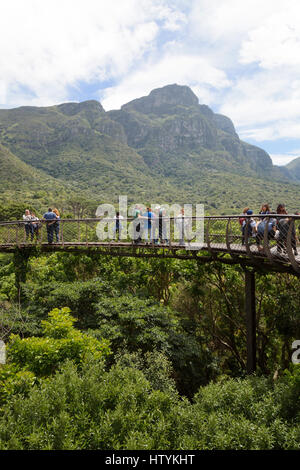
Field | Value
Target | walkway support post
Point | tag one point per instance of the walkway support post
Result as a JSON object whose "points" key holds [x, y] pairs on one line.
{"points": [[250, 320]]}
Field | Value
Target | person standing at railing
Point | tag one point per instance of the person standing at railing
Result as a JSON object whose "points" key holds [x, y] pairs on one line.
{"points": [[162, 227], [50, 218], [283, 225], [148, 217], [155, 225], [118, 226], [247, 222], [265, 209], [56, 224], [137, 224], [182, 225], [28, 225], [36, 224], [271, 221]]}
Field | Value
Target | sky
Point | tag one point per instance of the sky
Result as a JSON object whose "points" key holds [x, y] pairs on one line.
{"points": [[241, 58]]}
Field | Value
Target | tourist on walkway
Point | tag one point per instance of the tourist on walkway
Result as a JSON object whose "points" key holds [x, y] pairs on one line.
{"points": [[50, 218], [148, 217], [28, 225], [283, 225], [182, 225], [137, 224], [265, 209], [271, 222], [118, 226], [155, 225], [36, 224], [162, 226], [56, 224], [248, 222]]}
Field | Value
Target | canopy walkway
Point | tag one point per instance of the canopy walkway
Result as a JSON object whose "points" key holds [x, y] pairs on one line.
{"points": [[222, 240]]}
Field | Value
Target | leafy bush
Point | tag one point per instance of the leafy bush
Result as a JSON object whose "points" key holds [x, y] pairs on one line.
{"points": [[81, 298], [134, 324], [61, 341], [14, 381], [91, 408]]}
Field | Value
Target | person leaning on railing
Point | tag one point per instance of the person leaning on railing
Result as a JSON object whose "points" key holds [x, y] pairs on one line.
{"points": [[28, 225], [36, 224], [271, 221], [50, 218], [283, 225], [56, 224]]}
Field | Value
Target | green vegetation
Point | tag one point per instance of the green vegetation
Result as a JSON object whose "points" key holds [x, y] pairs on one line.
{"points": [[119, 353], [294, 168], [139, 354]]}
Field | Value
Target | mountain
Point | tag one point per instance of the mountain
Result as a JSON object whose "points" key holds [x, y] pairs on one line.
{"points": [[22, 182], [164, 147], [294, 169]]}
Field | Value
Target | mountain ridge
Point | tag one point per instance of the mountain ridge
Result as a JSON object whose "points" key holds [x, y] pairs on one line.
{"points": [[165, 146]]}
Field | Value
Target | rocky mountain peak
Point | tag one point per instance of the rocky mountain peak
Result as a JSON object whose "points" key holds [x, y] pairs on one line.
{"points": [[70, 109], [163, 98]]}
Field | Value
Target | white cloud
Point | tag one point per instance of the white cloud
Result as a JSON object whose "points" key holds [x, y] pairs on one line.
{"points": [[284, 159], [276, 42], [172, 68], [240, 57], [47, 46]]}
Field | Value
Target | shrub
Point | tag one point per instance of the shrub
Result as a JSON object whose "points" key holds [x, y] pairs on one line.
{"points": [[61, 341]]}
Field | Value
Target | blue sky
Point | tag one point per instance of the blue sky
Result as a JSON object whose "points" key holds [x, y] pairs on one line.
{"points": [[242, 58]]}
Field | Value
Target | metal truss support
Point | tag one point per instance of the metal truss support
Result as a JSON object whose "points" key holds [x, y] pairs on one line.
{"points": [[250, 320]]}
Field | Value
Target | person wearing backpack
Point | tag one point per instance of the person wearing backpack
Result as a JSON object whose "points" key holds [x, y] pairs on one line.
{"points": [[244, 223], [137, 224]]}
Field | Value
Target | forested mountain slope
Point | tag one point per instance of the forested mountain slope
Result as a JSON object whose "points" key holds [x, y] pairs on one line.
{"points": [[164, 147]]}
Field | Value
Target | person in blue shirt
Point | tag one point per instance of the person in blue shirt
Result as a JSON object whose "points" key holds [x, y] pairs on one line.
{"points": [[148, 224], [50, 218]]}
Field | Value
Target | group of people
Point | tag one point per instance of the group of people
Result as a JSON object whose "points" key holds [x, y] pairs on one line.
{"points": [[275, 227], [33, 224], [151, 225]]}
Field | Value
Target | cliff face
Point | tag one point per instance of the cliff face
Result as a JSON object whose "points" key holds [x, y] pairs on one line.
{"points": [[171, 121], [293, 169], [164, 144]]}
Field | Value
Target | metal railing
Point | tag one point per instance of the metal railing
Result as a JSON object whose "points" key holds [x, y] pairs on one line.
{"points": [[271, 236]]}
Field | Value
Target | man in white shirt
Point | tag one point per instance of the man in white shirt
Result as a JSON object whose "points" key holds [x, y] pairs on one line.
{"points": [[28, 226]]}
